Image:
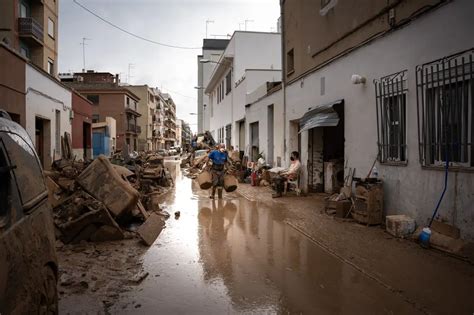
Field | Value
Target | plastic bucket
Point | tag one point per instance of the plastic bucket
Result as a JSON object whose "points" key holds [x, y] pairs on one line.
{"points": [[230, 183], [425, 237], [205, 180]]}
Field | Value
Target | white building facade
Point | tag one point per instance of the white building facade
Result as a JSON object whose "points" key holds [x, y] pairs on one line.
{"points": [[250, 59], [48, 113], [211, 50], [407, 69]]}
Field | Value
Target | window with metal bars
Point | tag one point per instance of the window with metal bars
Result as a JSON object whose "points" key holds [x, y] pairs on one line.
{"points": [[445, 90], [390, 95]]}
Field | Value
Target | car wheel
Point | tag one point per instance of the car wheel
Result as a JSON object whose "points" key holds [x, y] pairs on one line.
{"points": [[49, 296]]}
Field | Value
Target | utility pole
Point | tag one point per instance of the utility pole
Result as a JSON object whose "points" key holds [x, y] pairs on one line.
{"points": [[246, 21], [84, 53], [130, 66], [208, 22]]}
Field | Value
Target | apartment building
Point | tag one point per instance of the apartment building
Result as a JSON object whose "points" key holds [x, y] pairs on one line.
{"points": [[110, 99], [169, 121], [160, 114], [147, 121], [390, 81], [249, 60], [31, 28], [211, 50]]}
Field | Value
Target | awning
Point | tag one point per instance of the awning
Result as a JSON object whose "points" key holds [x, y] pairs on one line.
{"points": [[321, 116]]}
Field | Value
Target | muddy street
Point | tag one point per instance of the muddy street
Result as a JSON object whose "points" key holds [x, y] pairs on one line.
{"points": [[226, 256]]}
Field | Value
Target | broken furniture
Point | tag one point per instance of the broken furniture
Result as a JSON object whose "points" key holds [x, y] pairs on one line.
{"points": [[368, 206]]}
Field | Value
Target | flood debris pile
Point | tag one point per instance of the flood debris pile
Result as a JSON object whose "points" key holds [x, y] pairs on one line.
{"points": [[101, 201]]}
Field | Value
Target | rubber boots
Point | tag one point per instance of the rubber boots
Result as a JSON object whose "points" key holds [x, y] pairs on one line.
{"points": [[213, 193], [219, 192]]}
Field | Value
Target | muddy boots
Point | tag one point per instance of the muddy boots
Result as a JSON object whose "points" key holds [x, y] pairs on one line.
{"points": [[213, 192], [219, 192]]}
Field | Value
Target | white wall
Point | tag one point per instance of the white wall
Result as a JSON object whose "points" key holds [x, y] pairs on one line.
{"points": [[258, 112], [408, 189], [255, 55], [44, 96], [205, 70], [254, 50]]}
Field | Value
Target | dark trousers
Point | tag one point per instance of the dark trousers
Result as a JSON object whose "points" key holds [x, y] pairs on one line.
{"points": [[217, 172], [279, 183]]}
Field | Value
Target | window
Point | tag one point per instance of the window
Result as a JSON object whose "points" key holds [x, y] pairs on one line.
{"points": [[50, 28], [290, 62], [28, 173], [228, 82], [24, 10], [50, 66], [390, 92], [24, 51], [446, 111], [95, 118], [93, 98]]}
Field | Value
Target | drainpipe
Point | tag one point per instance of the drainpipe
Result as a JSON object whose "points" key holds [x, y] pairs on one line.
{"points": [[283, 81]]}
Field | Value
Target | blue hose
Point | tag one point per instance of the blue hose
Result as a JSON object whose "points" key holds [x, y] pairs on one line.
{"points": [[445, 186]]}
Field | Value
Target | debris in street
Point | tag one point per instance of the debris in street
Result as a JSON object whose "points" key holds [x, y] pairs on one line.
{"points": [[96, 200], [177, 214], [400, 225], [151, 229], [103, 182]]}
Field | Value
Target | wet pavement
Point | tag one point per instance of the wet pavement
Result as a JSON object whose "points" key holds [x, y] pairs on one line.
{"points": [[239, 256]]}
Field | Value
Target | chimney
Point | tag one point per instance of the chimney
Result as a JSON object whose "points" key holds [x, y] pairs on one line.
{"points": [[117, 80]]}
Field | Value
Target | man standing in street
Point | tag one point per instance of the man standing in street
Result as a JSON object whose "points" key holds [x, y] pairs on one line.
{"points": [[218, 157]]}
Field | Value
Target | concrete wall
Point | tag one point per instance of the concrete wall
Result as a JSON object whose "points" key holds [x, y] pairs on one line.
{"points": [[82, 119], [316, 34], [409, 189], [258, 112], [12, 84], [44, 96], [254, 50]]}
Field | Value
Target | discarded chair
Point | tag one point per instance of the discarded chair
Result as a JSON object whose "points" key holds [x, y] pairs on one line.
{"points": [[293, 185]]}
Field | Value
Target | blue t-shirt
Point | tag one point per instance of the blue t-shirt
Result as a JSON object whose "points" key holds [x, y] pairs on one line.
{"points": [[217, 157]]}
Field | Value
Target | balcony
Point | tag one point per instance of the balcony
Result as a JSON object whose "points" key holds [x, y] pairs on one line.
{"points": [[30, 30], [132, 110], [133, 129]]}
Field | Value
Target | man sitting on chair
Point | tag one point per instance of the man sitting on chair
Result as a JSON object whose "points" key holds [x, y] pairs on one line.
{"points": [[289, 174]]}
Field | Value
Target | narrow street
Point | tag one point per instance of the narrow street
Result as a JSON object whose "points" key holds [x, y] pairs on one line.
{"points": [[238, 256]]}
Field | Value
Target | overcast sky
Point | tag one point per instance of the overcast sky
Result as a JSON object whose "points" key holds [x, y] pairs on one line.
{"points": [[175, 22]]}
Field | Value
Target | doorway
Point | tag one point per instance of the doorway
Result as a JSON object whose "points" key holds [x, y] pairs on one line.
{"points": [[43, 141], [242, 138], [86, 139], [254, 141], [326, 156], [270, 122]]}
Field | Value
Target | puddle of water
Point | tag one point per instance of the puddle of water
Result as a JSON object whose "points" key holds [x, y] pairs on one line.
{"points": [[236, 256]]}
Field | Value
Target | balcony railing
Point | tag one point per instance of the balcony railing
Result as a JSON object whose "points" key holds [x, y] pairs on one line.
{"points": [[29, 27], [134, 129]]}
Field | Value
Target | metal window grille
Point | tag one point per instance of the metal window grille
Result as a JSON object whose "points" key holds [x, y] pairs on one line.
{"points": [[390, 95], [445, 89]]}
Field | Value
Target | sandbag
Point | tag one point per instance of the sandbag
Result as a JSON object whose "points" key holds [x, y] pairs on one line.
{"points": [[204, 180], [230, 183]]}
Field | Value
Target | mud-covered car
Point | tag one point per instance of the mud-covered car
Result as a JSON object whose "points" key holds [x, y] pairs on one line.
{"points": [[28, 263]]}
